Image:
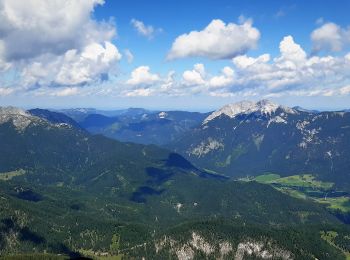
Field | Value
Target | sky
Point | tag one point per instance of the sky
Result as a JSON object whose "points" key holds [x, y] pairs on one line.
{"points": [[161, 54]]}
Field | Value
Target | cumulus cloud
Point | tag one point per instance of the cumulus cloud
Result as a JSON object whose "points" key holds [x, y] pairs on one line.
{"points": [[141, 76], [92, 62], [330, 37], [194, 77], [56, 42], [33, 27], [217, 41], [143, 83], [225, 79], [291, 53], [72, 68], [292, 72], [198, 77], [244, 61], [144, 30]]}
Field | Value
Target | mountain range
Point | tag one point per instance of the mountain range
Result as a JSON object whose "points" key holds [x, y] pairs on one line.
{"points": [[252, 138], [65, 190], [137, 125]]}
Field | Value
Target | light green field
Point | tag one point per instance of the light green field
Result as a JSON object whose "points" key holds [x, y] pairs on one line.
{"points": [[341, 203], [291, 184], [305, 180], [5, 176], [267, 178]]}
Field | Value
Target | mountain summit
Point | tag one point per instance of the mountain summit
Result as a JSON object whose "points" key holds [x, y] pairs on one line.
{"points": [[22, 119], [263, 107], [19, 117]]}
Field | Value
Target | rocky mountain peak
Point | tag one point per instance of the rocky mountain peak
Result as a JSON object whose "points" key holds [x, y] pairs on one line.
{"points": [[13, 111], [20, 117], [264, 107]]}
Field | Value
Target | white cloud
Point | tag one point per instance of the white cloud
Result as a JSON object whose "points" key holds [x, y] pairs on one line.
{"points": [[244, 61], [141, 76], [169, 83], [85, 67], [217, 41], [6, 91], [144, 30], [199, 77], [291, 73], [55, 42], [129, 56], [223, 80], [66, 92], [291, 53], [194, 77], [141, 92], [33, 27], [72, 68], [330, 37], [143, 83]]}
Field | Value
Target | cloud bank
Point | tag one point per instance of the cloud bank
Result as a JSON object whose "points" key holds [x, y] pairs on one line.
{"points": [[56, 42]]}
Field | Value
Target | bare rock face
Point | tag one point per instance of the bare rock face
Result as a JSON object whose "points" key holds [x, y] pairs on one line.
{"points": [[261, 250], [187, 250], [21, 119], [263, 107]]}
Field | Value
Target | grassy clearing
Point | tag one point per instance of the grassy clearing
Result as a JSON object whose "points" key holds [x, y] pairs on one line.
{"points": [[5, 176], [341, 203], [298, 185], [267, 178], [306, 181]]}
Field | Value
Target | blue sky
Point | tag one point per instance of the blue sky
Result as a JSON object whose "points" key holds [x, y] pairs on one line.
{"points": [[275, 19], [62, 61]]}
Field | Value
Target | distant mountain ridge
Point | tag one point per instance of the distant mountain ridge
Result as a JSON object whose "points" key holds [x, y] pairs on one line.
{"points": [[53, 117], [138, 125], [250, 138], [79, 114]]}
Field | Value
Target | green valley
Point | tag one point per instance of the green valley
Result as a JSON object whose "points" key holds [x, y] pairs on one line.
{"points": [[306, 186], [85, 195]]}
